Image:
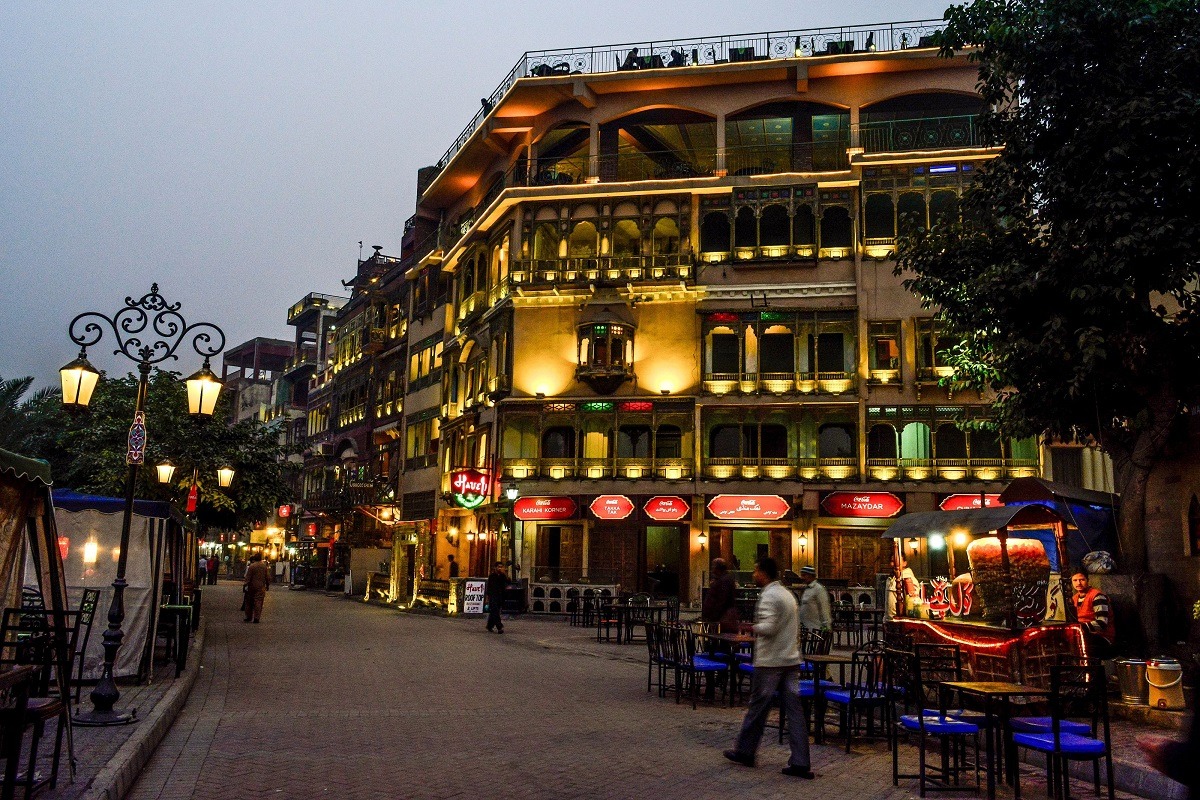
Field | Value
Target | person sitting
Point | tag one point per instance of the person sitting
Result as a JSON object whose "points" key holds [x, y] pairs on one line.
{"points": [[631, 60]]}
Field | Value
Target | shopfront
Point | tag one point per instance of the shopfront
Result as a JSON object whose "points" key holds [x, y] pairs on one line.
{"points": [[745, 528], [849, 550]]}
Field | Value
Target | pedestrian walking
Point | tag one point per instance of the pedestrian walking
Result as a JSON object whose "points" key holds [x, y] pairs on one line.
{"points": [[720, 602], [213, 566], [776, 673], [816, 614], [496, 583], [254, 587]]}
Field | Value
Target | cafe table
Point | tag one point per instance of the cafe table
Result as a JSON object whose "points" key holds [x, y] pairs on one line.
{"points": [[820, 664], [996, 696], [15, 680], [731, 644], [625, 616]]}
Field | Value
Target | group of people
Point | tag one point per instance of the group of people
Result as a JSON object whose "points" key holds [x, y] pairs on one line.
{"points": [[206, 570]]}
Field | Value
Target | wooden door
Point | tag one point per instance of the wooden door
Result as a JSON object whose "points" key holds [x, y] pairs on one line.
{"points": [[852, 555]]}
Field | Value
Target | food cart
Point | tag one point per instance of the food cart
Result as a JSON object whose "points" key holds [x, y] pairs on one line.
{"points": [[992, 586]]}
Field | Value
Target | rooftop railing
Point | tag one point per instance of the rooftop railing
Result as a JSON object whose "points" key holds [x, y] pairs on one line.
{"points": [[680, 53]]}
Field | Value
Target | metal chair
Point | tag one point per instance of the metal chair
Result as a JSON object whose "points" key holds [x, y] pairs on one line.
{"points": [[862, 695], [87, 614]]}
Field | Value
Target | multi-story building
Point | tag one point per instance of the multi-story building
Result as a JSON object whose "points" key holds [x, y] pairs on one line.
{"points": [[249, 372], [661, 300]]}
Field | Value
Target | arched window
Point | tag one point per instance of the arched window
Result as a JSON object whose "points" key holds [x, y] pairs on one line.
{"points": [[881, 442], [627, 239], [949, 441], [558, 442], [774, 440], [910, 210], [725, 441], [774, 226], [724, 353], [545, 242], [666, 237], [745, 232], [880, 217], [985, 444], [583, 240], [914, 440], [804, 226], [777, 350], [835, 440], [714, 233], [668, 442], [633, 441], [835, 228], [943, 207]]}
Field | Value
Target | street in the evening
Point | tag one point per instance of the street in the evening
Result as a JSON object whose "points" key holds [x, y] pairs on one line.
{"points": [[336, 698]]}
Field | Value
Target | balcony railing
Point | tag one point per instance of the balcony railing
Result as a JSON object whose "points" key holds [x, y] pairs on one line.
{"points": [[671, 469], [757, 468], [934, 133], [834, 383], [684, 53], [602, 270], [950, 469]]}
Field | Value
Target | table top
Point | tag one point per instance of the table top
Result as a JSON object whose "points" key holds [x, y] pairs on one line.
{"points": [[829, 658], [996, 688], [732, 638]]}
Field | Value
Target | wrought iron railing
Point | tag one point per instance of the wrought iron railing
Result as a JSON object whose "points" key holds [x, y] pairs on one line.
{"points": [[931, 133], [681, 53]]}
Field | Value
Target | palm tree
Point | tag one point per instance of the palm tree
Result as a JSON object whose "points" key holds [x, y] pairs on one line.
{"points": [[29, 426]]}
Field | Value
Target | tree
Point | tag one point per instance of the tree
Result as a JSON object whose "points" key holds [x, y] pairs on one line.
{"points": [[87, 452], [28, 425], [1071, 277]]}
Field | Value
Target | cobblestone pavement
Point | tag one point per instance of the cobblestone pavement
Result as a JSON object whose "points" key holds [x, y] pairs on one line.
{"points": [[328, 698]]}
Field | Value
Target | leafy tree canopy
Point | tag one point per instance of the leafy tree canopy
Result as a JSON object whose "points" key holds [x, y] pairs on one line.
{"points": [[86, 451], [1071, 278]]}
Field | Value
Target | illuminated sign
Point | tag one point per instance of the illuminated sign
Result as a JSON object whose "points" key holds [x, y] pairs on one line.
{"points": [[869, 505], [471, 488], [537, 509], [749, 506], [666, 508], [962, 502], [285, 512], [611, 506]]}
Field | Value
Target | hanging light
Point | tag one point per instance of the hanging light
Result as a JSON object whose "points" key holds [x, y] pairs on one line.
{"points": [[511, 490], [702, 539], [225, 477], [166, 470], [78, 380], [203, 389], [937, 541]]}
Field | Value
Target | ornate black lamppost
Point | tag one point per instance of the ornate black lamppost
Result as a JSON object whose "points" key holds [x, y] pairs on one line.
{"points": [[148, 331]]}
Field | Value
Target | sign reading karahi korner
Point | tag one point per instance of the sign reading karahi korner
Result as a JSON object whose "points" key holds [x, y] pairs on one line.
{"points": [[535, 509], [870, 505], [749, 506]]}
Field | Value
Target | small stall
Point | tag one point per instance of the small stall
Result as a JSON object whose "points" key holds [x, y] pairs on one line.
{"points": [[991, 584]]}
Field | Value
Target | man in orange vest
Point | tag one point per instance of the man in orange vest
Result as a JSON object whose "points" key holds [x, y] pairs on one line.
{"points": [[1095, 616]]}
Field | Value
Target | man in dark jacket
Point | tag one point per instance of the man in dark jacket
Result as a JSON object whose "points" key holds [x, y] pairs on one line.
{"points": [[496, 584], [720, 602]]}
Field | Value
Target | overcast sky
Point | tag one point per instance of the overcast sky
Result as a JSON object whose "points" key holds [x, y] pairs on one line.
{"points": [[236, 153]]}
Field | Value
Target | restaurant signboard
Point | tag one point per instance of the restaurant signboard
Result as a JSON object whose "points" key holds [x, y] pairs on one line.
{"points": [[470, 487], [963, 502], [611, 506], [667, 508], [768, 507], [863, 505], [540, 509]]}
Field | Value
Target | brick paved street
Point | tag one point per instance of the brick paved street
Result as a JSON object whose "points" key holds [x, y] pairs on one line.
{"points": [[329, 698]]}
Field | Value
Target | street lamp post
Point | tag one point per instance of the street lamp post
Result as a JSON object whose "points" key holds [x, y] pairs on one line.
{"points": [[511, 492], [148, 331]]}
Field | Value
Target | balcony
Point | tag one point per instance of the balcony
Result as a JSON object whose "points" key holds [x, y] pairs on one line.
{"points": [[825, 383], [930, 133], [950, 469], [604, 378], [670, 469], [805, 469], [601, 270]]}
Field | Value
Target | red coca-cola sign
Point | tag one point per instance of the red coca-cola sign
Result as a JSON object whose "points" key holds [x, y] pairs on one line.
{"points": [[870, 505], [611, 506], [666, 508], [749, 506], [537, 509], [963, 502]]}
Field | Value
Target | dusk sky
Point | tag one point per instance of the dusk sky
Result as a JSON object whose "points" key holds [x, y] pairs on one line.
{"points": [[236, 153]]}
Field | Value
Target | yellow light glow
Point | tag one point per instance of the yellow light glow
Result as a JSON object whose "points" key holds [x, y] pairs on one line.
{"points": [[116, 554], [673, 473], [90, 553], [960, 538]]}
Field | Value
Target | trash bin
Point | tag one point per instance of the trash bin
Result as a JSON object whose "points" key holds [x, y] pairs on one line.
{"points": [[1164, 677], [1131, 675]]}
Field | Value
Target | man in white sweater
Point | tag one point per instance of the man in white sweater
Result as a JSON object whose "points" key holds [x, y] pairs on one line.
{"points": [[776, 669]]}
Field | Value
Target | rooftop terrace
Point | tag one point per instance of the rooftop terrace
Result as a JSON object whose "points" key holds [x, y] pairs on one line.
{"points": [[702, 51]]}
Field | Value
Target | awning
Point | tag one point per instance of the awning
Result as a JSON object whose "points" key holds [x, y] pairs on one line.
{"points": [[33, 470], [1033, 490], [974, 521], [74, 501]]}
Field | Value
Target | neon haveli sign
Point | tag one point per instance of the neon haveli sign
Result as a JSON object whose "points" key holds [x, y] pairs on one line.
{"points": [[470, 487]]}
